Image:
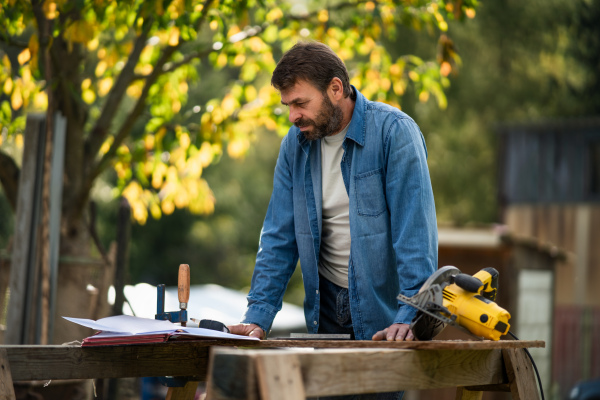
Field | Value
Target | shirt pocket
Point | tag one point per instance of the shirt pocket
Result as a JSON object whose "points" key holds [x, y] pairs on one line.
{"points": [[370, 196]]}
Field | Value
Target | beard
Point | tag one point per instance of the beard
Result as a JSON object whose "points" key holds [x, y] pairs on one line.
{"points": [[327, 122]]}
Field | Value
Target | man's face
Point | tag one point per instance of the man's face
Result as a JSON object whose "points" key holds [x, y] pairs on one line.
{"points": [[312, 111]]}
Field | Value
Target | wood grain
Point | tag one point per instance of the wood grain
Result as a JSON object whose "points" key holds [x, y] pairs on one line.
{"points": [[329, 372], [7, 392], [74, 362], [279, 377], [520, 375]]}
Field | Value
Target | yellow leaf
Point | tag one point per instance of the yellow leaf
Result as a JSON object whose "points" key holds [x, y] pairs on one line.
{"points": [[470, 12], [413, 75], [214, 24], [19, 141], [104, 86], [24, 56], [40, 101], [274, 15], [222, 60], [16, 100], [79, 31], [239, 60], [238, 147], [149, 142], [445, 68], [50, 9], [8, 86], [174, 36], [206, 154], [423, 96], [184, 140], [228, 105], [155, 211], [323, 16], [100, 68], [167, 207], [88, 96], [86, 84]]}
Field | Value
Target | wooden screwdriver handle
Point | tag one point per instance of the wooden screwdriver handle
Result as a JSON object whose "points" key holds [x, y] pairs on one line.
{"points": [[183, 285]]}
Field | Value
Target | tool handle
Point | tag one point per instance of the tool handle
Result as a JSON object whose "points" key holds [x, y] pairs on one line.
{"points": [[183, 286]]}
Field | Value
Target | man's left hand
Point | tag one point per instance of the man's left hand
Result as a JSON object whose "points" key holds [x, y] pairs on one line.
{"points": [[397, 332]]}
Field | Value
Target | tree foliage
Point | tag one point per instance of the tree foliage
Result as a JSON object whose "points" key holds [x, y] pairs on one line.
{"points": [[122, 72]]}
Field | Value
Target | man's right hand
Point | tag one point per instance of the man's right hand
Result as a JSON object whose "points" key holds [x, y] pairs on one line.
{"points": [[247, 330]]}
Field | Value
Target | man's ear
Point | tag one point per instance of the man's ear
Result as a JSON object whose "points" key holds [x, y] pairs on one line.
{"points": [[336, 88]]}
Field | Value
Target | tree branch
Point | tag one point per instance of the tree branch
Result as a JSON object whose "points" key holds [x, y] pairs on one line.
{"points": [[116, 95], [9, 177], [10, 41]]}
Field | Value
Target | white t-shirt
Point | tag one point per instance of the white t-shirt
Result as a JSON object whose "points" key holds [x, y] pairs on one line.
{"points": [[335, 238]]}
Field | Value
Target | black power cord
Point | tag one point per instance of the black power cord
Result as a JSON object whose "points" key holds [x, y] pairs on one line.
{"points": [[534, 366]]}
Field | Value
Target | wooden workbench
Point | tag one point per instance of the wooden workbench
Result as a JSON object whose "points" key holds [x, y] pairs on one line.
{"points": [[260, 370]]}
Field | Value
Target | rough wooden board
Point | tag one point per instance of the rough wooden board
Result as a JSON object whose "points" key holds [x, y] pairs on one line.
{"points": [[279, 377], [330, 372], [183, 357], [521, 376], [235, 379], [7, 391], [413, 345], [464, 394], [74, 362]]}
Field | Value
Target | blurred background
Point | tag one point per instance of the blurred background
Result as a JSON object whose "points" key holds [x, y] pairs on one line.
{"points": [[136, 136]]}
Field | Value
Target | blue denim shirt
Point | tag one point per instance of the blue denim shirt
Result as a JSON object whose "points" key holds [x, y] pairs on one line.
{"points": [[393, 225]]}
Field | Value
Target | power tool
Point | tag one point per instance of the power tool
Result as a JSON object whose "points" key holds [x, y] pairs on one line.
{"points": [[449, 297]]}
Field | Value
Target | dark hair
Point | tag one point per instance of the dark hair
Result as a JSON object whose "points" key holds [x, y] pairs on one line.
{"points": [[313, 62]]}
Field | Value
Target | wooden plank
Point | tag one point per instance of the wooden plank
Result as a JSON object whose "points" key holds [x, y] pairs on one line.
{"points": [[188, 392], [331, 372], [179, 358], [7, 391], [231, 377], [464, 394], [413, 345], [74, 362], [24, 232], [521, 377], [279, 377]]}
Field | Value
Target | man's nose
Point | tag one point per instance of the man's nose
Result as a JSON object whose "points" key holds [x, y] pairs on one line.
{"points": [[294, 115]]}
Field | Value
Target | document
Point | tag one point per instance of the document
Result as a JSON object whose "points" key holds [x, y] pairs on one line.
{"points": [[126, 329]]}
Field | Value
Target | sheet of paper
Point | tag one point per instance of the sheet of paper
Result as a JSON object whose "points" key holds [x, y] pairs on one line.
{"points": [[123, 325], [127, 324], [209, 333]]}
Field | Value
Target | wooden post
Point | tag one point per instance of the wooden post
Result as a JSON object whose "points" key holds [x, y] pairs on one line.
{"points": [[186, 392], [464, 394], [24, 241], [520, 374], [7, 391], [279, 377]]}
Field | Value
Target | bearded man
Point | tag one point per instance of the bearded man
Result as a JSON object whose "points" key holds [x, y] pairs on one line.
{"points": [[351, 199]]}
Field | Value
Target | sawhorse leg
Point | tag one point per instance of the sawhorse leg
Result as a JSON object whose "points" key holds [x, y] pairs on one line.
{"points": [[522, 383], [7, 390], [187, 392]]}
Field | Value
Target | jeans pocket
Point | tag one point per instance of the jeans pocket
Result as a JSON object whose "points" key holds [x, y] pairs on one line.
{"points": [[370, 194]]}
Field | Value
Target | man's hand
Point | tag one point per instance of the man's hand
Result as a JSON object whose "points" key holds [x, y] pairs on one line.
{"points": [[247, 330], [397, 332]]}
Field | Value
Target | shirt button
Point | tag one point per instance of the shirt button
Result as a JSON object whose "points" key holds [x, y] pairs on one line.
{"points": [[317, 291], [315, 322]]}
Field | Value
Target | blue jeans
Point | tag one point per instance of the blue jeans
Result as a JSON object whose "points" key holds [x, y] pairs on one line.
{"points": [[334, 317]]}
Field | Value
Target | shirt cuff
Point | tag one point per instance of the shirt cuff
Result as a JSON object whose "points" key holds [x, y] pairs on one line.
{"points": [[405, 314], [260, 315]]}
